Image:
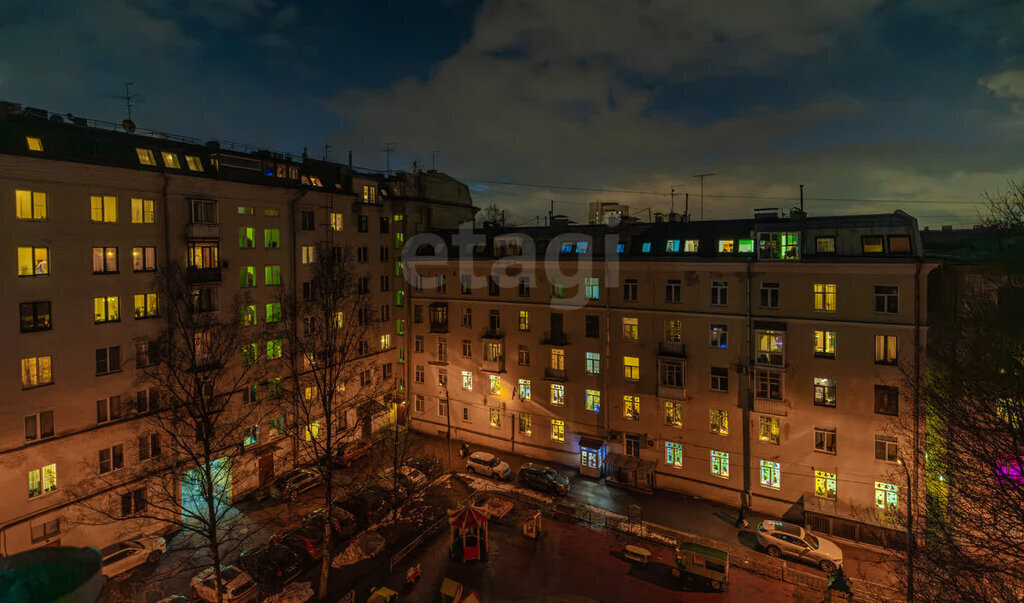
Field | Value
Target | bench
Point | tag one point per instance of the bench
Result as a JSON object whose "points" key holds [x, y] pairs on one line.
{"points": [[636, 553]]}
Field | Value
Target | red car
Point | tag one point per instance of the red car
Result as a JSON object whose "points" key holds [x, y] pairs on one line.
{"points": [[348, 452]]}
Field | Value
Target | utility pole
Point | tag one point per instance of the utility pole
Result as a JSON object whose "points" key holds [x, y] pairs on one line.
{"points": [[686, 208], [702, 176], [388, 147]]}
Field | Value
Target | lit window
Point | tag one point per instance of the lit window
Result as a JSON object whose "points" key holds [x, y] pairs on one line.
{"points": [[308, 254], [674, 454], [581, 248], [143, 259], [719, 463], [143, 211], [525, 424], [825, 344], [107, 309], [34, 143], [778, 246], [36, 371], [690, 246], [170, 160], [825, 484], [272, 275], [251, 435], [274, 312], [271, 238], [195, 164], [248, 316], [246, 237], [567, 247], [524, 390], [886, 350], [672, 245], [886, 497], [726, 246], [592, 287], [593, 400], [631, 367], [524, 320], [312, 431], [558, 430], [825, 245], [557, 394], [103, 208], [274, 348], [145, 156], [769, 430], [825, 297], [104, 260], [248, 276], [31, 205], [495, 417], [771, 475], [42, 481], [674, 414], [630, 329], [631, 407], [720, 336], [495, 384], [145, 305], [646, 247], [871, 244], [557, 359], [746, 246], [593, 363], [824, 392], [337, 221], [719, 421]]}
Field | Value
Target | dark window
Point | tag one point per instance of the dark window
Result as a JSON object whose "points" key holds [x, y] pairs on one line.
{"points": [[385, 224], [108, 360], [492, 286], [720, 378], [363, 254], [417, 314], [385, 253], [899, 245], [308, 220], [363, 224], [35, 316], [887, 300], [593, 325], [307, 290], [887, 400], [770, 295], [465, 280], [133, 502], [673, 291], [524, 286], [825, 245], [629, 290]]}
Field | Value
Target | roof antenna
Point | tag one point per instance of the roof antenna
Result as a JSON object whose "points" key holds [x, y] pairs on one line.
{"points": [[130, 99], [801, 198]]}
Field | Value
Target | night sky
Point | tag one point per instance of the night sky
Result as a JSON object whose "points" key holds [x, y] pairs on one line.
{"points": [[920, 101]]}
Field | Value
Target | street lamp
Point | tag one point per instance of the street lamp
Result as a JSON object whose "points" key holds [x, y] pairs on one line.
{"points": [[910, 532]]}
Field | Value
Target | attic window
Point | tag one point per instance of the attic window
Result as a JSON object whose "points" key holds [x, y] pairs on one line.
{"points": [[746, 246], [726, 246], [620, 248], [315, 181], [646, 248], [672, 246], [171, 160], [34, 144], [567, 247], [581, 247], [195, 164], [899, 244], [691, 246], [871, 244], [145, 156]]}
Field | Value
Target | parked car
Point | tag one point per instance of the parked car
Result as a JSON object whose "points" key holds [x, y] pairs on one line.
{"points": [[291, 483], [414, 478], [367, 506], [272, 563], [428, 466], [780, 538], [347, 452], [236, 586], [544, 479], [308, 537], [126, 555], [485, 463]]}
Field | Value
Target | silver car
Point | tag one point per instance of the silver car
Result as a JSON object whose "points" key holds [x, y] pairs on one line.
{"points": [[485, 463], [126, 555], [780, 538]]}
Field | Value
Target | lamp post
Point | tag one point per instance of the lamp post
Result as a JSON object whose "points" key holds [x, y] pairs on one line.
{"points": [[910, 532]]}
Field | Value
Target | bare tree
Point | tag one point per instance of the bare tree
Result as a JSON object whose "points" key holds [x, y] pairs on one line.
{"points": [[195, 420], [491, 215], [973, 396], [337, 387]]}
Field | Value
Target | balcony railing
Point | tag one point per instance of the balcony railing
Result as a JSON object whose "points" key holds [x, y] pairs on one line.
{"points": [[551, 374], [555, 338], [771, 358], [439, 327], [493, 334], [441, 359], [202, 231], [771, 407], [671, 392], [203, 275], [672, 348], [493, 366]]}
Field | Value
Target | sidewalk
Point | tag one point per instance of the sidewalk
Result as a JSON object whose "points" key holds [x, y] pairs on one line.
{"points": [[677, 511]]}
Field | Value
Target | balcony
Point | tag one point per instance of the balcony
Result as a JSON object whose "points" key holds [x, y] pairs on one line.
{"points": [[555, 338], [493, 366], [771, 359], [551, 374], [771, 407], [493, 334], [203, 275], [671, 392], [438, 359], [675, 349], [202, 231], [438, 327]]}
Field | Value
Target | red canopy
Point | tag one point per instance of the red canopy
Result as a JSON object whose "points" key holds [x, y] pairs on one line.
{"points": [[468, 517]]}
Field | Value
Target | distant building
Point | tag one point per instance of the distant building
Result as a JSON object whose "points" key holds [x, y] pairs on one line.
{"points": [[607, 212]]}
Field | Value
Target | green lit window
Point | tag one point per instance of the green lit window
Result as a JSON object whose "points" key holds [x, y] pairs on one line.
{"points": [[674, 454], [271, 238], [246, 238], [247, 276], [272, 275], [274, 312], [274, 348]]}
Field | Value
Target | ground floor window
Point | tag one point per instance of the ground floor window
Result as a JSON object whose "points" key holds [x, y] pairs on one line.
{"points": [[495, 417], [770, 475], [526, 425], [825, 484], [674, 454], [719, 463], [558, 430], [886, 496], [632, 441]]}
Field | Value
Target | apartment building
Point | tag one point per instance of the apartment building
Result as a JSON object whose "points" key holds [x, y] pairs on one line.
{"points": [[769, 361], [93, 212]]}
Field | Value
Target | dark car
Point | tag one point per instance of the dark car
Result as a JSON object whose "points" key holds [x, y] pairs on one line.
{"points": [[308, 538], [291, 483], [428, 466], [271, 563], [343, 524], [544, 479], [368, 506], [348, 452]]}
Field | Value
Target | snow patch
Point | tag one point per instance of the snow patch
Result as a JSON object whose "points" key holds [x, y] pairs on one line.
{"points": [[362, 547], [296, 592]]}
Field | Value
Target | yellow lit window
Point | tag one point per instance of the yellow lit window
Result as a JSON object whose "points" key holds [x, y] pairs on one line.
{"points": [[825, 344], [525, 424], [308, 254], [558, 430], [36, 371], [557, 394], [467, 380], [630, 329], [385, 341], [824, 484], [719, 421], [495, 417], [524, 320], [171, 160], [825, 297], [337, 222], [631, 407], [34, 143], [726, 246], [557, 359], [107, 309], [886, 496], [674, 414], [103, 208], [312, 431], [195, 164], [31, 205], [495, 385], [143, 211], [145, 305], [145, 156], [33, 261], [631, 367]]}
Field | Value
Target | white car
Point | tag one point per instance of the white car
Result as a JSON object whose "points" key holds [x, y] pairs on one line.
{"points": [[236, 585], [487, 464], [126, 555], [414, 476], [781, 538]]}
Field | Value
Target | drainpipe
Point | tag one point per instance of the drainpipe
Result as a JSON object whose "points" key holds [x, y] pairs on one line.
{"points": [[293, 257], [746, 401], [166, 213]]}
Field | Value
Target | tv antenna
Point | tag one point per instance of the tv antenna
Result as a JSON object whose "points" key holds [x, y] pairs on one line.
{"points": [[388, 147], [702, 176], [130, 99]]}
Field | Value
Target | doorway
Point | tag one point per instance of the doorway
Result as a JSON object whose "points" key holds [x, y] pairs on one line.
{"points": [[266, 470]]}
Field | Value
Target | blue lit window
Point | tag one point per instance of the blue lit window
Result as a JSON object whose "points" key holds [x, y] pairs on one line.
{"points": [[672, 246], [620, 248], [566, 247], [581, 247], [647, 247]]}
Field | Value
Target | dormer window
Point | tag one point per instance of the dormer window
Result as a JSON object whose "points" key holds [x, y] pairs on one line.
{"points": [[315, 181], [672, 246], [899, 245], [567, 247], [691, 245], [726, 246], [646, 248], [34, 144], [746, 246], [581, 247], [145, 156], [195, 164], [778, 246], [871, 244], [170, 160]]}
